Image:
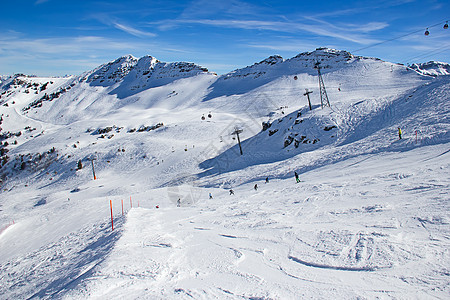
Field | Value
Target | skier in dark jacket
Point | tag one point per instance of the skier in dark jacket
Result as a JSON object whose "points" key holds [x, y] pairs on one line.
{"points": [[296, 177], [256, 187], [231, 192]]}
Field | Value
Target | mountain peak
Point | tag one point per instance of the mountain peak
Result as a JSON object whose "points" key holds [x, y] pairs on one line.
{"points": [[113, 71], [325, 53], [271, 60]]}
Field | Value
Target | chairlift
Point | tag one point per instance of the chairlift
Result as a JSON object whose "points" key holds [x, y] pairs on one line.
{"points": [[427, 32], [446, 25]]}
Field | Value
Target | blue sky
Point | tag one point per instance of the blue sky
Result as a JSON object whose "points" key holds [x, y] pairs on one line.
{"points": [[58, 37]]}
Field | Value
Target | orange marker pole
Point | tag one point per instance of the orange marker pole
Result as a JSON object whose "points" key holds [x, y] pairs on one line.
{"points": [[93, 170], [112, 220], [138, 203], [131, 203], [122, 207]]}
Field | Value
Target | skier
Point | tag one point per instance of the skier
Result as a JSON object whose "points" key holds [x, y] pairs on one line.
{"points": [[178, 202], [267, 179], [256, 187], [399, 133], [231, 192], [296, 177], [210, 196]]}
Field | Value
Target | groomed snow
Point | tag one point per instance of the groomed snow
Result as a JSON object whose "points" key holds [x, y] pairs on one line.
{"points": [[372, 226]]}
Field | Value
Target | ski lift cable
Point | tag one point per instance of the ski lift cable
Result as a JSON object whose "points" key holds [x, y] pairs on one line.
{"points": [[429, 53], [396, 38], [423, 57]]}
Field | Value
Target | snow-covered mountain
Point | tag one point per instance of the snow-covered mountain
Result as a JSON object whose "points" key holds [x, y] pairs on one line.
{"points": [[432, 68], [370, 218], [139, 74]]}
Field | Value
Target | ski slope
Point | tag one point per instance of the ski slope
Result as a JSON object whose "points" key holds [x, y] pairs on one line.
{"points": [[370, 218]]}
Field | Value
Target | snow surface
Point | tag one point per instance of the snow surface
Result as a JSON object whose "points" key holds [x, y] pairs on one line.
{"points": [[370, 218]]}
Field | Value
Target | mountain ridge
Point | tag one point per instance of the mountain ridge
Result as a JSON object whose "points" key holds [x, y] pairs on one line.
{"points": [[432, 68]]}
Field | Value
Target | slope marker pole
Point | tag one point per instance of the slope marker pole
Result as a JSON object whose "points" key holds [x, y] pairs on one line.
{"points": [[93, 170], [112, 219]]}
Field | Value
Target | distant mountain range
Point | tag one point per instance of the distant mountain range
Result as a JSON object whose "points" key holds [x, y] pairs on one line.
{"points": [[432, 68]]}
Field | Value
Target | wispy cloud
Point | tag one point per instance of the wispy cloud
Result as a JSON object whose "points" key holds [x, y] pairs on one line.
{"points": [[286, 26], [133, 31], [369, 27], [205, 8], [362, 8], [40, 2], [341, 12], [290, 46], [61, 46], [349, 27], [241, 15], [28, 55], [114, 22]]}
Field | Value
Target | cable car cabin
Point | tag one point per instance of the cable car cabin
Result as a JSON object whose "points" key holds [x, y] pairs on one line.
{"points": [[210, 115], [427, 32], [203, 118], [446, 25]]}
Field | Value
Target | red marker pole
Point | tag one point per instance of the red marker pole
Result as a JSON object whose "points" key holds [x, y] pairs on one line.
{"points": [[131, 203], [112, 220], [122, 207], [93, 170]]}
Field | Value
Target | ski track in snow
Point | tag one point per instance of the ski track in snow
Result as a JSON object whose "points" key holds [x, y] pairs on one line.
{"points": [[58, 267]]}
